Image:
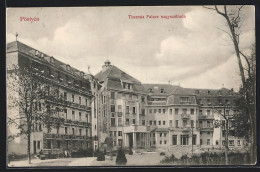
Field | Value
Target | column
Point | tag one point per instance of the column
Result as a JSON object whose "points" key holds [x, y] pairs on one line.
{"points": [[134, 140]]}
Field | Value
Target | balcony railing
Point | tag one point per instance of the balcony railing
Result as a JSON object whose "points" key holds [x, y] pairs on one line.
{"points": [[206, 128], [67, 136], [185, 116], [81, 123], [206, 116]]}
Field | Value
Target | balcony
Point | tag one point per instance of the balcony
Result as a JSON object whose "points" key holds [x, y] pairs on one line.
{"points": [[185, 116], [206, 117], [67, 137], [206, 128], [136, 128], [80, 123]]}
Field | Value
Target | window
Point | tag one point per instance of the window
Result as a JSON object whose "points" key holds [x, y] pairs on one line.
{"points": [[208, 124], [184, 99], [80, 116], [57, 129], [163, 122], [73, 115], [111, 133], [143, 122], [208, 141], [113, 122], [119, 133], [160, 111], [120, 122], [155, 110], [133, 121], [86, 132], [66, 130], [208, 92], [119, 108], [49, 145], [80, 100], [200, 141], [208, 112], [170, 111], [160, 134], [174, 139], [73, 131], [231, 142], [127, 121], [162, 91], [164, 110], [114, 143], [184, 111], [184, 123], [133, 110], [112, 108], [119, 142], [143, 100], [176, 123], [127, 109], [238, 143], [176, 111], [86, 100], [216, 142], [194, 138], [65, 95], [192, 123], [112, 95], [165, 142], [159, 123], [150, 111], [164, 134], [227, 112], [197, 92], [170, 123], [200, 124], [184, 139], [200, 112], [72, 97], [192, 111], [160, 142], [143, 111], [114, 133], [38, 144], [86, 117], [80, 132], [154, 123], [208, 102]]}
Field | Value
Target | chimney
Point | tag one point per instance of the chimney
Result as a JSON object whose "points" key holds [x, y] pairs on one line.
{"points": [[106, 66]]}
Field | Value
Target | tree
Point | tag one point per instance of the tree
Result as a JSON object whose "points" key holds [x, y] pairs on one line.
{"points": [[120, 158], [109, 142], [234, 19], [226, 124], [242, 125], [36, 102]]}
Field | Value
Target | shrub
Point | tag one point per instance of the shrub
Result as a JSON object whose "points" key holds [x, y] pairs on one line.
{"points": [[101, 157], [121, 159], [162, 154]]}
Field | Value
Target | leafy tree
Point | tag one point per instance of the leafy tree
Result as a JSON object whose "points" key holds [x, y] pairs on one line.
{"points": [[234, 19], [33, 102], [121, 159], [109, 142]]}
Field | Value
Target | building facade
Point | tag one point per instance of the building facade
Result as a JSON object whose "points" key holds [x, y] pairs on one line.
{"points": [[162, 116], [112, 104], [78, 90]]}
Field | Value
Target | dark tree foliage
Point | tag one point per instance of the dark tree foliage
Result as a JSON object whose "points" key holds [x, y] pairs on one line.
{"points": [[121, 159]]}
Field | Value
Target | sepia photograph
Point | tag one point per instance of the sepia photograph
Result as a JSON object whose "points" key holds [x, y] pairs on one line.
{"points": [[124, 86]]}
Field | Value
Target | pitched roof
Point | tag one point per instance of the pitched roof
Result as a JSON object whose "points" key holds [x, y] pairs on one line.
{"points": [[21, 47], [115, 72], [155, 89], [211, 92]]}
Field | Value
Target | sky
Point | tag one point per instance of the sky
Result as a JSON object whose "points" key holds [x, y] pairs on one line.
{"points": [[193, 52]]}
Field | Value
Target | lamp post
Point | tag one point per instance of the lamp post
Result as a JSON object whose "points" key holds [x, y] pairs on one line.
{"points": [[192, 139]]}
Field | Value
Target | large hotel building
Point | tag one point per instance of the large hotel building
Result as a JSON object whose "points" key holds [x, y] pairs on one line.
{"points": [[113, 104]]}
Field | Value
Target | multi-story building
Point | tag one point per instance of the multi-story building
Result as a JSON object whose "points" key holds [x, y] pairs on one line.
{"points": [[78, 90], [161, 116], [113, 104]]}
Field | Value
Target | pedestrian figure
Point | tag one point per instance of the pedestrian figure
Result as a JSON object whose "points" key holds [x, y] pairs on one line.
{"points": [[66, 154]]}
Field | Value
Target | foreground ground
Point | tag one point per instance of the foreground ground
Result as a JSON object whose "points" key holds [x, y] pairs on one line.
{"points": [[138, 159]]}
